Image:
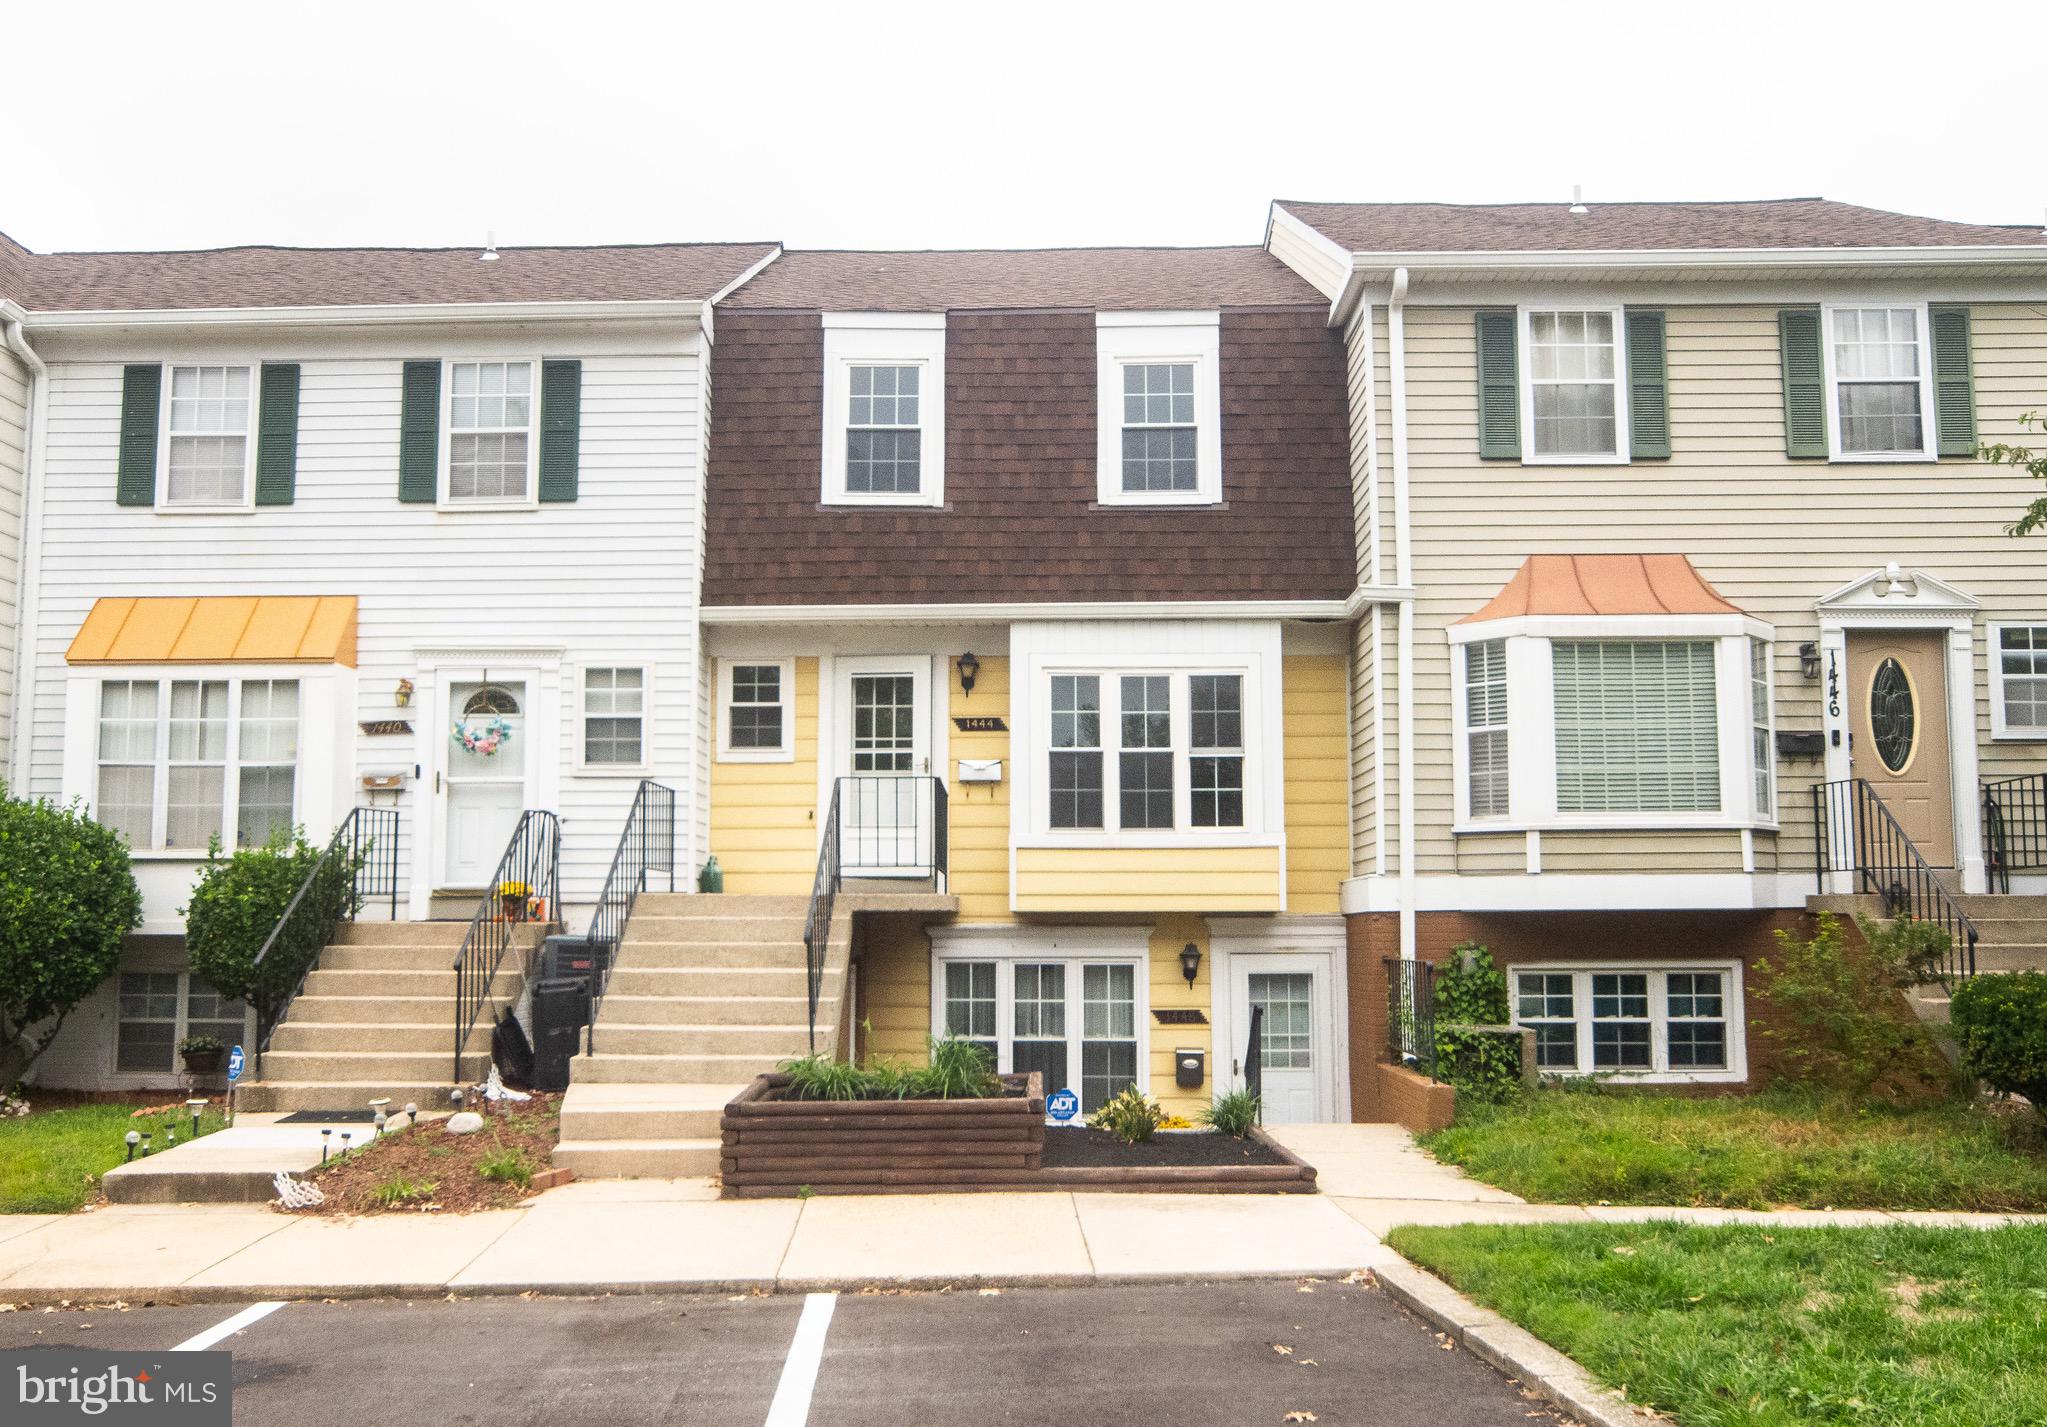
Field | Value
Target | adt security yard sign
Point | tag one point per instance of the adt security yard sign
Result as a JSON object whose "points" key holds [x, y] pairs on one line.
{"points": [[234, 1065], [1062, 1105]]}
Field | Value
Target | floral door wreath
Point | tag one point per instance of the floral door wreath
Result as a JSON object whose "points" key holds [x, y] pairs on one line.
{"points": [[484, 739]]}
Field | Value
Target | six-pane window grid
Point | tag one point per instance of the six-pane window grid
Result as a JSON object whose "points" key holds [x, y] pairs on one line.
{"points": [[148, 1024], [884, 443], [1573, 366], [2022, 655], [970, 1003], [1545, 1006], [1636, 726], [884, 737], [187, 755], [1286, 1038], [1158, 427], [1876, 379], [1076, 760], [1485, 723], [1216, 768], [614, 716], [490, 420], [208, 460], [755, 718], [1039, 1021], [1144, 771], [1623, 1031], [1108, 1030]]}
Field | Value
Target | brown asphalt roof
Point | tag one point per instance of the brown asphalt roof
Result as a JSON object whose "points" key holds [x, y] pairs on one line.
{"points": [[1104, 279], [1624, 227], [328, 277]]}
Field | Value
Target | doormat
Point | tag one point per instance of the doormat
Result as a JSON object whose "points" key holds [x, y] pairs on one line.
{"points": [[330, 1117]]}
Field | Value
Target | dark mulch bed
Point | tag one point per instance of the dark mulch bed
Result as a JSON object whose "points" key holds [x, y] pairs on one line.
{"points": [[1071, 1147], [427, 1170]]}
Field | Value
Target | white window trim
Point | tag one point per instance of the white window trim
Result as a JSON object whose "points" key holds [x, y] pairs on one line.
{"points": [[787, 752], [1621, 453], [183, 1026], [1927, 435], [1123, 338], [1531, 720], [445, 470], [1007, 945], [1765, 651], [1460, 684], [897, 339], [247, 504], [583, 765], [2000, 730], [1734, 1006]]}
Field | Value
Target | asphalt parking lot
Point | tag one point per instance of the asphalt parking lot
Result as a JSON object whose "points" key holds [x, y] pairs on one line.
{"points": [[1182, 1355]]}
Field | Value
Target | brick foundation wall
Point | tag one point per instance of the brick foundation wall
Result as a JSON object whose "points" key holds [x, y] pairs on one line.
{"points": [[1516, 938], [1412, 1101]]}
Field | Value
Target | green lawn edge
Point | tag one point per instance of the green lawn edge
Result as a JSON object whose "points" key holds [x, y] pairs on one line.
{"points": [[51, 1160]]}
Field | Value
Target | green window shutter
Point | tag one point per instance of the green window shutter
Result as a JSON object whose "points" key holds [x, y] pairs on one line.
{"points": [[277, 434], [1805, 382], [141, 397], [561, 428], [1648, 387], [1954, 382], [1499, 388], [419, 433]]}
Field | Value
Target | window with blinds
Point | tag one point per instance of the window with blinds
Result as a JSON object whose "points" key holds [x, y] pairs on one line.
{"points": [[1636, 726], [1485, 724]]}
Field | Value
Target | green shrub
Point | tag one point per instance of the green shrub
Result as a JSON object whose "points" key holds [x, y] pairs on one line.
{"points": [[959, 1070], [1132, 1117], [891, 1080], [2000, 1022], [1838, 1022], [506, 1167], [241, 899], [402, 1189], [1472, 991], [1234, 1112], [1906, 950], [67, 898]]}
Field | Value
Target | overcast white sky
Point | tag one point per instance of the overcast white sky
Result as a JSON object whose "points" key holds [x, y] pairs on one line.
{"points": [[906, 124]]}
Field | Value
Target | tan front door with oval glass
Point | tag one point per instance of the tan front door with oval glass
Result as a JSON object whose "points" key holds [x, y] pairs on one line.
{"points": [[1898, 732]]}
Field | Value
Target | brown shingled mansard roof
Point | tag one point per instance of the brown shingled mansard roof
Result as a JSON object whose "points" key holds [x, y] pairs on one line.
{"points": [[1630, 227], [1105, 279], [346, 277]]}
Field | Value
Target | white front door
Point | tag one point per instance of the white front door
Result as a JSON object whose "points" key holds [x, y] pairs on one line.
{"points": [[1294, 1033], [885, 810], [485, 787]]}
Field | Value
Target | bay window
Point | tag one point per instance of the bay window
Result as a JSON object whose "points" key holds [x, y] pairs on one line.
{"points": [[183, 762], [1651, 1023], [1636, 728], [1485, 726]]}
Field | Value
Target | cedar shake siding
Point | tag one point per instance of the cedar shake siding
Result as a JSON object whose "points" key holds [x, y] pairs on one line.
{"points": [[1020, 521]]}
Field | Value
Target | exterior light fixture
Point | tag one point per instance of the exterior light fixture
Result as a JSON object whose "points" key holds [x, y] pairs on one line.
{"points": [[1809, 660], [970, 668], [326, 1139], [344, 1144], [195, 1106], [411, 1116], [133, 1139], [146, 1138], [1190, 963]]}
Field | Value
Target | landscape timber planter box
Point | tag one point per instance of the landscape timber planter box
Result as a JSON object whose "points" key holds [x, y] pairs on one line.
{"points": [[776, 1147]]}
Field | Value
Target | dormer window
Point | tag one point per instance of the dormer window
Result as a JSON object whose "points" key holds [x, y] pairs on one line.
{"points": [[1160, 413], [884, 405]]}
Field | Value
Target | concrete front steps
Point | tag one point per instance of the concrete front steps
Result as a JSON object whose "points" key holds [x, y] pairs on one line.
{"points": [[376, 1019], [2011, 935], [653, 1131]]}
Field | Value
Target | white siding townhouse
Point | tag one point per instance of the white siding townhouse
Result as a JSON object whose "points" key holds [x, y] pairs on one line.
{"points": [[297, 521]]}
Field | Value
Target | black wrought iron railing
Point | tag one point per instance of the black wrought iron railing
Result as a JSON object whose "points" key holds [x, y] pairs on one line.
{"points": [[2014, 827], [824, 892], [646, 848], [1858, 836], [1411, 1014], [1254, 1060], [521, 899], [359, 865]]}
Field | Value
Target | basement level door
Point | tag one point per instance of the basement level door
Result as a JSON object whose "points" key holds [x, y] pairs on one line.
{"points": [[885, 810], [1295, 1033], [484, 793]]}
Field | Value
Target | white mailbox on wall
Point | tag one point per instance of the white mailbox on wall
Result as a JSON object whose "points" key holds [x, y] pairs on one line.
{"points": [[980, 770]]}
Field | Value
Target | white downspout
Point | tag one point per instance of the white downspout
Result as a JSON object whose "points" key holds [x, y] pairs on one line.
{"points": [[1403, 571], [21, 713]]}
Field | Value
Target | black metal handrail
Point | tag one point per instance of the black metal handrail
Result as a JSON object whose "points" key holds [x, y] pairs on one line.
{"points": [[824, 891], [646, 846], [1855, 832], [2014, 826], [360, 862], [1411, 1014], [523, 892]]}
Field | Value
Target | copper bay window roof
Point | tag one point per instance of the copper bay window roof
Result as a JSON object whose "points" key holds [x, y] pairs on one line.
{"points": [[1603, 585]]}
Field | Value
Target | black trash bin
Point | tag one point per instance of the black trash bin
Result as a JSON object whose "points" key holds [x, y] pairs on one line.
{"points": [[571, 956], [561, 1006]]}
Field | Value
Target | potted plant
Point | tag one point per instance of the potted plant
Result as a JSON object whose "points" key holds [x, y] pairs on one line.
{"points": [[202, 1054], [512, 901]]}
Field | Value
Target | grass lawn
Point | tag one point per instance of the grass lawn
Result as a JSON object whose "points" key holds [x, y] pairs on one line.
{"points": [[51, 1160], [1756, 1327], [1779, 1148]]}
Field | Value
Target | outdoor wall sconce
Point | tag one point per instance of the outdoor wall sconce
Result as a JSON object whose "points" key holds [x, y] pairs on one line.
{"points": [[1190, 963], [969, 668], [1809, 660], [402, 695]]}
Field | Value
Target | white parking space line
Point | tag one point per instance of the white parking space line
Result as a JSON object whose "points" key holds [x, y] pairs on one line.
{"points": [[791, 1407], [228, 1328]]}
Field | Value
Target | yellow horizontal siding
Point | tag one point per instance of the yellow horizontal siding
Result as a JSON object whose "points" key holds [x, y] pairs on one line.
{"points": [[979, 812], [1316, 752], [764, 815], [1130, 879]]}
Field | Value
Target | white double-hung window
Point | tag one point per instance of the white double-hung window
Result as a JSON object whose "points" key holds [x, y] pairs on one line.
{"points": [[209, 454], [182, 762], [1485, 727], [491, 448], [2018, 680], [884, 408], [1159, 415], [1881, 383], [1574, 396], [1174, 759], [1654, 1023]]}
